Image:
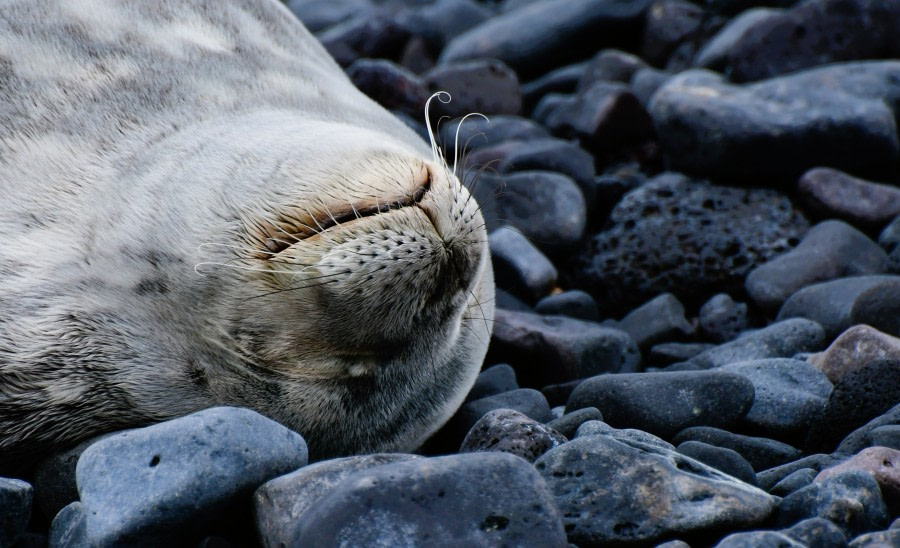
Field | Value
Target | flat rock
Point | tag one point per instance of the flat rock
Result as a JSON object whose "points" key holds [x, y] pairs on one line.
{"points": [[511, 432], [779, 340], [720, 458], [15, 508], [474, 499], [519, 266], [487, 86], [279, 503], [853, 350], [761, 453], [666, 403], [832, 194], [610, 491], [884, 465], [831, 249], [573, 303], [851, 500], [660, 319], [553, 349], [157, 485], [722, 319], [492, 381]]}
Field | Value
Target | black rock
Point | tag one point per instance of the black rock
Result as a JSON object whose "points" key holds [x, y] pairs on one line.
{"points": [[574, 304], [816, 533], [160, 484], [610, 65], [476, 132], [371, 35], [562, 80], [885, 436], [761, 453], [721, 319], [722, 459], [558, 394], [669, 23], [611, 491], [519, 267], [879, 307], [553, 349], [507, 301], [568, 424], [442, 20], [859, 438], [511, 432], [15, 508], [317, 15], [390, 85], [671, 353], [774, 131], [69, 528], [769, 478], [797, 479], [715, 53], [779, 340], [486, 86], [467, 500], [832, 194], [492, 381], [646, 82], [889, 240], [568, 32], [851, 500], [685, 237], [661, 319], [666, 403]]}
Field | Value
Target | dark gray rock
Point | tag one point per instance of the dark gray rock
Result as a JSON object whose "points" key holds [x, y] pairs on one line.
{"points": [[885, 436], [568, 33], [519, 266], [553, 349], [558, 394], [562, 80], [854, 349], [779, 340], [790, 396], [714, 54], [390, 85], [830, 250], [485, 85], [527, 401], [721, 319], [889, 240], [838, 116], [511, 432], [574, 304], [600, 428], [660, 319], [568, 424], [646, 82], [879, 306], [669, 23], [492, 381], [666, 403], [753, 539], [761, 453], [279, 503], [859, 438], [317, 15], [15, 508], [69, 528], [476, 132], [878, 539], [685, 237], [670, 353], [816, 533], [610, 491], [473, 499], [769, 478], [159, 484], [54, 478], [797, 479], [610, 65], [439, 22], [507, 301], [831, 303], [720, 458], [831, 194], [851, 500], [368, 34]]}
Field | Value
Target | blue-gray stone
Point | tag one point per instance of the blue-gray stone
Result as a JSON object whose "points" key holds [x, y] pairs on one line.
{"points": [[816, 533], [568, 423], [600, 428], [779, 340], [69, 528], [761, 453], [15, 508], [851, 500], [492, 381], [519, 266], [573, 303], [720, 458]]}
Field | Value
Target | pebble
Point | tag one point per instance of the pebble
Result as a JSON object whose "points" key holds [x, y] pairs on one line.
{"points": [[797, 479], [671, 353], [715, 53], [440, 21], [647, 82], [752, 539], [519, 266], [854, 349], [15, 508], [320, 14], [666, 403], [884, 465], [562, 80], [779, 340], [600, 428], [879, 306], [889, 240], [660, 319], [886, 436], [69, 528], [832, 194], [816, 532], [474, 499], [368, 34], [390, 85], [769, 478], [486, 85], [720, 458], [492, 381], [611, 491], [878, 539], [761, 453], [281, 502], [154, 485], [527, 401], [553, 349], [54, 478], [669, 23], [610, 65], [568, 424], [859, 438], [476, 132], [511, 432], [721, 319], [573, 303]]}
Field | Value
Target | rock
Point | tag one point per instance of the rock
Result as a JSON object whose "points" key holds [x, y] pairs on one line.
{"points": [[857, 398], [574, 304], [851, 500], [473, 499], [492, 381], [519, 266], [54, 478], [511, 432], [568, 33], [859, 438], [854, 350], [321, 14], [568, 424], [562, 80], [878, 539], [599, 428], [552, 349], [752, 539], [889, 240], [670, 353], [484, 85], [69, 528], [879, 306], [476, 132], [390, 85], [831, 249], [761, 453], [669, 23], [721, 319], [661, 319], [157, 485], [831, 303], [646, 82], [779, 340], [610, 65], [885, 436], [372, 35], [794, 481], [440, 21], [610, 491], [816, 532], [15, 508], [714, 54], [720, 458], [666, 403], [775, 130], [790, 396], [832, 194], [884, 465], [685, 237], [769, 478], [280, 503], [527, 401]]}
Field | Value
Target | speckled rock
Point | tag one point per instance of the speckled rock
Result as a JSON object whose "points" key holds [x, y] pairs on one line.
{"points": [[527, 401], [511, 432], [574, 304], [613, 491], [720, 458], [519, 266], [660, 319], [832, 194], [761, 453], [600, 428], [851, 500], [853, 350], [15, 508], [722, 319], [779, 340]]}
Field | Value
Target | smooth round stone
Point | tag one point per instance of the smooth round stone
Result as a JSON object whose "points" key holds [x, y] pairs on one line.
{"points": [[753, 539], [884, 465], [487, 86], [492, 381], [851, 500], [886, 436], [442, 20], [568, 423], [511, 432], [669, 24], [519, 266], [317, 15], [660, 319], [888, 538], [671, 353], [889, 240], [610, 65], [853, 350], [761, 453], [666, 403], [646, 82], [573, 303], [722, 319], [778, 340], [715, 53], [859, 438], [370, 35], [558, 394], [390, 85], [879, 306], [769, 478], [612, 491], [720, 458], [832, 194], [15, 508], [797, 479], [474, 499], [69, 528], [830, 250], [561, 80], [600, 428], [476, 132], [816, 532]]}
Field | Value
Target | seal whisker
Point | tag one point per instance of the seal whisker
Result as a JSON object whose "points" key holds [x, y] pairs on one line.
{"points": [[458, 127]]}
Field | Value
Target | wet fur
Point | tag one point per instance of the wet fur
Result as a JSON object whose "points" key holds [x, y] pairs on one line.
{"points": [[160, 163]]}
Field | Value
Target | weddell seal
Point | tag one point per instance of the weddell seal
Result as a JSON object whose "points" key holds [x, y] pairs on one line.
{"points": [[197, 208]]}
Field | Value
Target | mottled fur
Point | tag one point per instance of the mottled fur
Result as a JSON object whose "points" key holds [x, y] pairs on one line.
{"points": [[166, 167]]}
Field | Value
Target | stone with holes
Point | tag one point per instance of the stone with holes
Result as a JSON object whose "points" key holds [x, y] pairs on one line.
{"points": [[161, 484], [511, 432], [617, 491]]}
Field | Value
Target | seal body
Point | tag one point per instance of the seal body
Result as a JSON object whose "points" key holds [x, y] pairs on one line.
{"points": [[197, 208]]}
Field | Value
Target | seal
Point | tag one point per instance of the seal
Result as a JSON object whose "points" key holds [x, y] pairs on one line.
{"points": [[199, 209]]}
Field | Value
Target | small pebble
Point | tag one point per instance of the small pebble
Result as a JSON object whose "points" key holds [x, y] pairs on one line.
{"points": [[568, 424], [851, 500], [511, 432], [661, 319], [492, 381], [519, 266], [573, 303], [720, 458], [761, 453], [721, 318]]}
